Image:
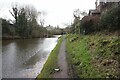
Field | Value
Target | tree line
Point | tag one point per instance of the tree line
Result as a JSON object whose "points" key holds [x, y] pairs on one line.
{"points": [[24, 25]]}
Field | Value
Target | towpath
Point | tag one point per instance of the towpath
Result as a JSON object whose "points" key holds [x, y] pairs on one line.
{"points": [[62, 62]]}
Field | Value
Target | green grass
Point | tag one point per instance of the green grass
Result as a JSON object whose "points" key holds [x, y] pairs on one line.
{"points": [[51, 62], [93, 56]]}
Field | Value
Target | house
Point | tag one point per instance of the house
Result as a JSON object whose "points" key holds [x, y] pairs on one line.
{"points": [[94, 14], [102, 6], [49, 28]]}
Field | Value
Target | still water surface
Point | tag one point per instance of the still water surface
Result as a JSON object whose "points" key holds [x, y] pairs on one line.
{"points": [[24, 58]]}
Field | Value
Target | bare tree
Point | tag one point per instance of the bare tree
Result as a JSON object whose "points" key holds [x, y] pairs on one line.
{"points": [[83, 13], [42, 20], [77, 15], [31, 12], [14, 12]]}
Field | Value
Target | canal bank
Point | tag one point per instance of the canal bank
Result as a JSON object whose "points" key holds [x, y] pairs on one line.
{"points": [[51, 63]]}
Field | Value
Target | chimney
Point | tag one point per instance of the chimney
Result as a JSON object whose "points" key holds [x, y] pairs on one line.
{"points": [[96, 4]]}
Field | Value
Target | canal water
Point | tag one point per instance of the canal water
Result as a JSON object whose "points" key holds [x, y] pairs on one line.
{"points": [[24, 58]]}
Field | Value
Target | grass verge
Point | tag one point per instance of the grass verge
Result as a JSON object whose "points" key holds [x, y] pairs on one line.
{"points": [[51, 62], [94, 56]]}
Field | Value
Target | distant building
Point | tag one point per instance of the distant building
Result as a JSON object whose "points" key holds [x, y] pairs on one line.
{"points": [[49, 28]]}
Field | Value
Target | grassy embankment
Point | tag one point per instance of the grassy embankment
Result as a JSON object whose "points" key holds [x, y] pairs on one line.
{"points": [[93, 56], [51, 62]]}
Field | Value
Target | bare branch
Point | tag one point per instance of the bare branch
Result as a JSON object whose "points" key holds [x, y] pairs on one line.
{"points": [[12, 14]]}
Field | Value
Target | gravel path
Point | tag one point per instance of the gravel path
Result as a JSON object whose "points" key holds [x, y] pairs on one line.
{"points": [[62, 62]]}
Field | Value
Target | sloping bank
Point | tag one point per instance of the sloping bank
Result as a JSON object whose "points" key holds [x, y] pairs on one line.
{"points": [[93, 56], [51, 62]]}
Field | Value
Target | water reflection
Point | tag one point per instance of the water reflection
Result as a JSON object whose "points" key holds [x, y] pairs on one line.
{"points": [[25, 58]]}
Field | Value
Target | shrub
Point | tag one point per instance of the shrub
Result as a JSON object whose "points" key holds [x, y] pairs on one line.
{"points": [[87, 26], [110, 20]]}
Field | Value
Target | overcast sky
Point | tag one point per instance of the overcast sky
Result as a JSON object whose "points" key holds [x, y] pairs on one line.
{"points": [[58, 11]]}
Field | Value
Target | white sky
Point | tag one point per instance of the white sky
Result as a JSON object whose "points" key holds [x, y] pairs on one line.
{"points": [[58, 11]]}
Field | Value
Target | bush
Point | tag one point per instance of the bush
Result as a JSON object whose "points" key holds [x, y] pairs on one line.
{"points": [[87, 27], [110, 20], [7, 28]]}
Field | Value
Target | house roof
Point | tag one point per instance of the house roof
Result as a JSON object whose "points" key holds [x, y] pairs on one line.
{"points": [[91, 12]]}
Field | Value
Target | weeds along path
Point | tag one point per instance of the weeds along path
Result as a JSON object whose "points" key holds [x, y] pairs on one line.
{"points": [[62, 62]]}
